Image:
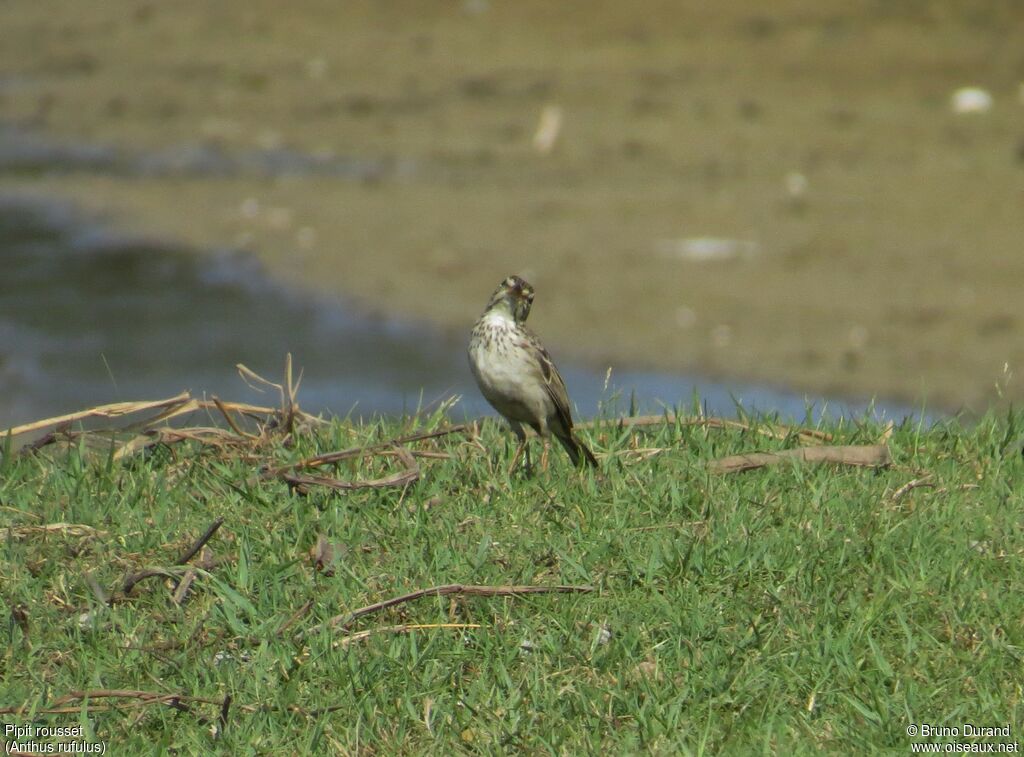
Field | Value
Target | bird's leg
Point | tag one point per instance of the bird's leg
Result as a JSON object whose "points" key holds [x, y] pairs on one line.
{"points": [[521, 436], [544, 454], [515, 458]]}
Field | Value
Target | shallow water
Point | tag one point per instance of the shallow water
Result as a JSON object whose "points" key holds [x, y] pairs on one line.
{"points": [[90, 317]]}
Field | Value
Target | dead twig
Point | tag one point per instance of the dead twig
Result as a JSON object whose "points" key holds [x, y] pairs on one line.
{"points": [[146, 433], [296, 616], [778, 432], [333, 457], [68, 529], [197, 545], [911, 485], [404, 628], [186, 579], [229, 419], [640, 421], [289, 411], [183, 586], [62, 705], [869, 455], [426, 454], [114, 410], [960, 488], [669, 526], [132, 579], [222, 720], [346, 619], [210, 435], [303, 483], [149, 696]]}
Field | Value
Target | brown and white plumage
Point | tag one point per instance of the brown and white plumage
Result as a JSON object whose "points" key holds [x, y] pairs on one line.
{"points": [[517, 375]]}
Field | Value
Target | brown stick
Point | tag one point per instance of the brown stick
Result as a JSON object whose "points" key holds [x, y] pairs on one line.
{"points": [[346, 619], [223, 719], [296, 616], [779, 432], [227, 416], [166, 410], [134, 578], [344, 454], [183, 586], [303, 483], [345, 641], [911, 485], [103, 411], [869, 455], [58, 706], [424, 453], [193, 550], [124, 694], [68, 529], [402, 478]]}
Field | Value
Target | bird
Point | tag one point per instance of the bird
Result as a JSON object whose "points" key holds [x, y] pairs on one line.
{"points": [[517, 376]]}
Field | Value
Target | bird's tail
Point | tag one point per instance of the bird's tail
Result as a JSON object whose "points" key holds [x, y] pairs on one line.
{"points": [[578, 451]]}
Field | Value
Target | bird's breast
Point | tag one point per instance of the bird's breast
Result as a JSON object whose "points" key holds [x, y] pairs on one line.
{"points": [[504, 372]]}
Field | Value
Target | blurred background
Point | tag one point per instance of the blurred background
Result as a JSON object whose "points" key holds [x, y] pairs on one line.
{"points": [[801, 203]]}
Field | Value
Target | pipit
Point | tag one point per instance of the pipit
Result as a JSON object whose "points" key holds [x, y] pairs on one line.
{"points": [[517, 376]]}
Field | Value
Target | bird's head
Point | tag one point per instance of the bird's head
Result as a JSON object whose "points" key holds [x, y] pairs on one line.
{"points": [[513, 297]]}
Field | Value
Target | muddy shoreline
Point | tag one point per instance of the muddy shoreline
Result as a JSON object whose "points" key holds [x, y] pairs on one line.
{"points": [[785, 198]]}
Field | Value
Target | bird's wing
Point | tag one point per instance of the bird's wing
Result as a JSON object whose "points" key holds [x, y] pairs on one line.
{"points": [[553, 382]]}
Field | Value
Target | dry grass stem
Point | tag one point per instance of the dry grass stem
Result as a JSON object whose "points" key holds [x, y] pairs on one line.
{"points": [[807, 435], [66, 529], [405, 628], [869, 455], [346, 619], [911, 485], [303, 483], [114, 410]]}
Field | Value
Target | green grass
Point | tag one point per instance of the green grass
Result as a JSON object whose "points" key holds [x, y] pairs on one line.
{"points": [[794, 608]]}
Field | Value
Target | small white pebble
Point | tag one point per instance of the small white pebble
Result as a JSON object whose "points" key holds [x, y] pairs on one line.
{"points": [[549, 126], [707, 249], [971, 100]]}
